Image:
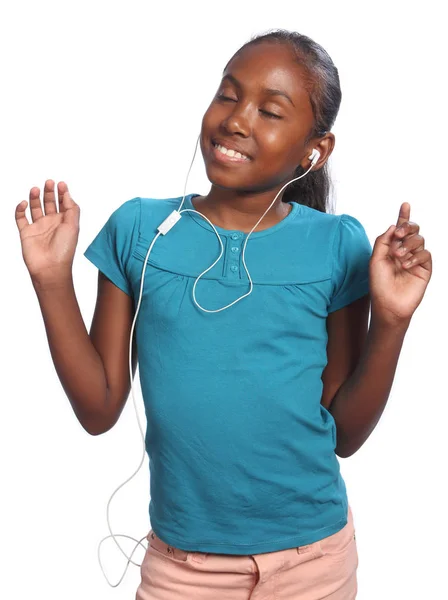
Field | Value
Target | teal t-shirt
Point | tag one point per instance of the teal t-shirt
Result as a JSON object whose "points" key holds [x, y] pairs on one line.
{"points": [[241, 451]]}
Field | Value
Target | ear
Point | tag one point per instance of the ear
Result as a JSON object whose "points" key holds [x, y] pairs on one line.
{"points": [[324, 145]]}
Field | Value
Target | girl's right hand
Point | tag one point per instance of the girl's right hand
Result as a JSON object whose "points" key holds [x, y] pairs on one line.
{"points": [[49, 242]]}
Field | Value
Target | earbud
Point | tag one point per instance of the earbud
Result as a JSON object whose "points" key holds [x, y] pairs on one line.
{"points": [[314, 156]]}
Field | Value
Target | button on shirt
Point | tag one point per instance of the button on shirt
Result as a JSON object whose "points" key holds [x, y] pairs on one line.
{"points": [[241, 451]]}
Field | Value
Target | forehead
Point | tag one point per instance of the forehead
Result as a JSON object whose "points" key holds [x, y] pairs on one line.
{"points": [[270, 65]]}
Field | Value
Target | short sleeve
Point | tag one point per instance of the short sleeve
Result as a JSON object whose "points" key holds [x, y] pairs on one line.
{"points": [[112, 247], [351, 256]]}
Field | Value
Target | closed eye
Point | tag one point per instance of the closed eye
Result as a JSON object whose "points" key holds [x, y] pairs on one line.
{"points": [[222, 97], [264, 112], [271, 115]]}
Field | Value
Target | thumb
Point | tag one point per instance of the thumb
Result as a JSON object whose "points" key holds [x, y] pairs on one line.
{"points": [[383, 242]]}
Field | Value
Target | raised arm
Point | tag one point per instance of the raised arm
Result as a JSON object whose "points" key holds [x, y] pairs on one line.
{"points": [[93, 369]]}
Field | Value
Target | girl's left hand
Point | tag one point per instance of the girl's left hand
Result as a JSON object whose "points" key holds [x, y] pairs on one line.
{"points": [[396, 287]]}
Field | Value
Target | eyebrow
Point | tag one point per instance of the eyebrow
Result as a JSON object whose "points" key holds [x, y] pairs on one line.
{"points": [[270, 91]]}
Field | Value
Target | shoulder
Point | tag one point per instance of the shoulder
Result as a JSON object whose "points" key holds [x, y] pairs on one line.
{"points": [[159, 205], [351, 233], [126, 211], [142, 213], [316, 218], [154, 211], [316, 228], [328, 220], [350, 222], [333, 227]]}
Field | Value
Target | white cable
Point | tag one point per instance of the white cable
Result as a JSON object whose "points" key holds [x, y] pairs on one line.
{"points": [[129, 559], [143, 438], [162, 230], [243, 253]]}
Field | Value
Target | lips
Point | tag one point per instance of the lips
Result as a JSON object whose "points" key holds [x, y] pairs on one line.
{"points": [[231, 146]]}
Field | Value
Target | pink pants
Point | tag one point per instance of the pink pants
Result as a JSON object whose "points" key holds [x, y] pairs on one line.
{"points": [[325, 569]]}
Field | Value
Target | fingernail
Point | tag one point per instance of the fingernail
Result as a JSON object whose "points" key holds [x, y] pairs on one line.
{"points": [[408, 263]]}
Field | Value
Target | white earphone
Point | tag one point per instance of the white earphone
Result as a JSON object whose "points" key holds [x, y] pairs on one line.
{"points": [[314, 156], [163, 228]]}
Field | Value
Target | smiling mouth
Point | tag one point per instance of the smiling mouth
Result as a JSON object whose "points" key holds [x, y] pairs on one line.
{"points": [[235, 156]]}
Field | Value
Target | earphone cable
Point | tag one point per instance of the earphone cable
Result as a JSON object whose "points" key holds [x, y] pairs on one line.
{"points": [[162, 231]]}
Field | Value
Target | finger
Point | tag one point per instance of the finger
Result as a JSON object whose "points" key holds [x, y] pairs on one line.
{"points": [[35, 206], [49, 197], [71, 210], [20, 214], [406, 229], [62, 188], [404, 214], [409, 244], [382, 245], [422, 258]]}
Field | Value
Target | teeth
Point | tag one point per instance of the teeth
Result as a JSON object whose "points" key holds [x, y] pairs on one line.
{"points": [[231, 153]]}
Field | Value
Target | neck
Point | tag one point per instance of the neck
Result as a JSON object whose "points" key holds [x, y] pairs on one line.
{"points": [[239, 210]]}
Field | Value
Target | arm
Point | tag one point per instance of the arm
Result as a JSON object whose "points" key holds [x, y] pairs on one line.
{"points": [[93, 369], [400, 269], [359, 374], [347, 333]]}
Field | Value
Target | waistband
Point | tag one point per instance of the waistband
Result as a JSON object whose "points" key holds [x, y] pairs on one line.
{"points": [[158, 544]]}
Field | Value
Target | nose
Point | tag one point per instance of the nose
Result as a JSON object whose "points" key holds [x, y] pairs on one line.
{"points": [[238, 122]]}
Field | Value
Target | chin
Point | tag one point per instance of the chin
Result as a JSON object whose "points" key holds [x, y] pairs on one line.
{"points": [[228, 181]]}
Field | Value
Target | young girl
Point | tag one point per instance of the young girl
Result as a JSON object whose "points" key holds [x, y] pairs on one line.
{"points": [[258, 372]]}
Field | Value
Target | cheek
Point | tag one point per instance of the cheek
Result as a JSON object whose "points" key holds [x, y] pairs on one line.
{"points": [[212, 117], [207, 126], [206, 116], [282, 153], [273, 147]]}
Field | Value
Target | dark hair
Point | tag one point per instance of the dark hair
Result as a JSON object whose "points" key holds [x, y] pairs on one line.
{"points": [[325, 96]]}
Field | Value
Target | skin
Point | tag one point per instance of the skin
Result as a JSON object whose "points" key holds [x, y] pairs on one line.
{"points": [[240, 115], [399, 272], [362, 356]]}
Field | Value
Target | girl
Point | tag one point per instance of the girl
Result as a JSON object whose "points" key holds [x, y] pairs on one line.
{"points": [[256, 376]]}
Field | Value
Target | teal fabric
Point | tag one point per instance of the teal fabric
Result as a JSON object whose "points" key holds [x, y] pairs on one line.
{"points": [[241, 451]]}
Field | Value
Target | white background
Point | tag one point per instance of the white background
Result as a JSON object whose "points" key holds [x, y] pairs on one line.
{"points": [[108, 97]]}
